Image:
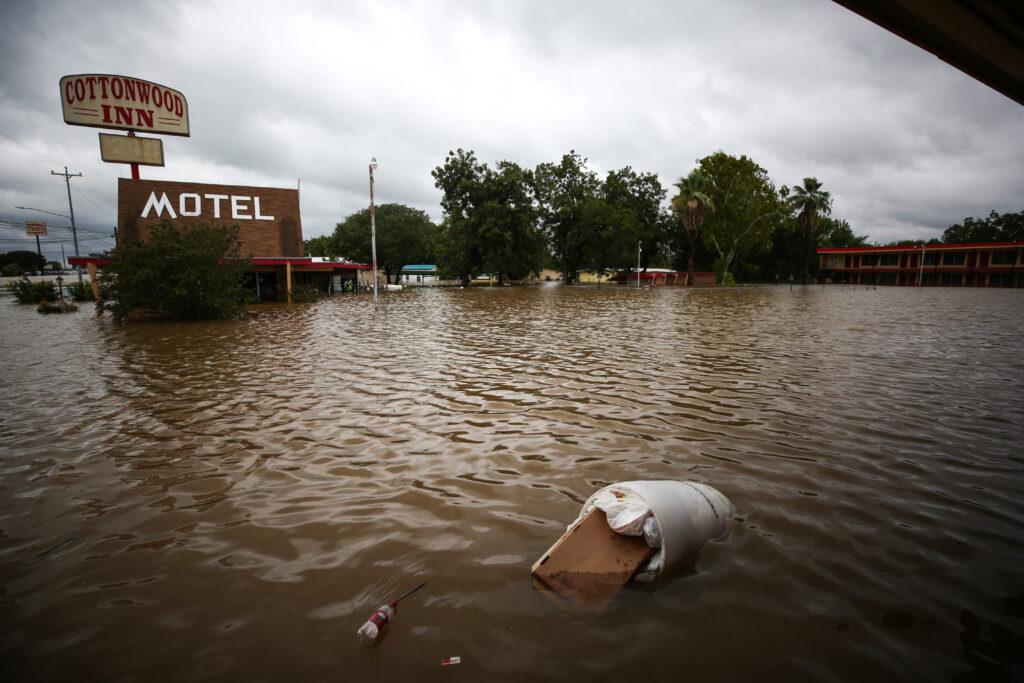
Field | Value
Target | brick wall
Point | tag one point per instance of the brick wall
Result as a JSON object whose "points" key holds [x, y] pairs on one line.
{"points": [[268, 217]]}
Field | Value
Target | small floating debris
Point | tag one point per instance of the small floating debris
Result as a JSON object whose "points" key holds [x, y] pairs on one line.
{"points": [[633, 530], [373, 626]]}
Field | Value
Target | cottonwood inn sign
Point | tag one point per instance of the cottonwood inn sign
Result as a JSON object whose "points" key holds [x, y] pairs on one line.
{"points": [[268, 218], [122, 103], [269, 225]]}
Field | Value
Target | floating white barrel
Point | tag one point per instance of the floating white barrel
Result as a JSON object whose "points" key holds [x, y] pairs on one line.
{"points": [[688, 515]]}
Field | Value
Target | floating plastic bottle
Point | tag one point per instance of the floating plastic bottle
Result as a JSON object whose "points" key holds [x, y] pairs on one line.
{"points": [[373, 627], [369, 631]]}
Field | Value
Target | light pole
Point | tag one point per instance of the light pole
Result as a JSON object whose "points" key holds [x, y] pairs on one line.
{"points": [[638, 250], [373, 233], [920, 273]]}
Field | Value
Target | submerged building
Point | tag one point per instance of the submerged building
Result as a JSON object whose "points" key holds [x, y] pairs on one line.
{"points": [[269, 229], [983, 264]]}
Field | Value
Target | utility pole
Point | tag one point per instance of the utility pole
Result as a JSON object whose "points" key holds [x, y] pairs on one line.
{"points": [[74, 231], [39, 251], [920, 273]]}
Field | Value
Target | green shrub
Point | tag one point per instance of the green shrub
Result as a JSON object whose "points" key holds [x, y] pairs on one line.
{"points": [[12, 270], [190, 273], [305, 294], [81, 291], [28, 292]]}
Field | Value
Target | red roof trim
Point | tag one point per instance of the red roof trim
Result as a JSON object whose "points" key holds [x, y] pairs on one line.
{"points": [[298, 262], [280, 260], [917, 247], [86, 260], [334, 266], [928, 269]]}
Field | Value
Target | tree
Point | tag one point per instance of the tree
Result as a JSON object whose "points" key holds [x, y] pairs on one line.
{"points": [[746, 207], [404, 235], [510, 242], [490, 218], [691, 204], [27, 260], [1007, 227], [632, 216], [1010, 226], [460, 182], [318, 246], [810, 201], [564, 192], [836, 233], [194, 272]]}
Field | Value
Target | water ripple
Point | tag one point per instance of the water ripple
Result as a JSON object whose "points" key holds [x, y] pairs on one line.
{"points": [[199, 498]]}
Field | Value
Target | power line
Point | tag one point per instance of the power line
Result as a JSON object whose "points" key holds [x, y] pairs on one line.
{"points": [[30, 149], [9, 225]]}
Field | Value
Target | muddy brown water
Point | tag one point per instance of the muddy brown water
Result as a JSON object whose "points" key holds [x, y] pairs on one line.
{"points": [[230, 500]]}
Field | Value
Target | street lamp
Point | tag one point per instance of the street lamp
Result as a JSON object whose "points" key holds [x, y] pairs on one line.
{"points": [[373, 233], [638, 250]]}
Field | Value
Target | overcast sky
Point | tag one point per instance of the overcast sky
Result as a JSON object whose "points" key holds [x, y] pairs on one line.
{"points": [[279, 92]]}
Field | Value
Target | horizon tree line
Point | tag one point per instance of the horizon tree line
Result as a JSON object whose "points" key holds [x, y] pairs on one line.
{"points": [[513, 221]]}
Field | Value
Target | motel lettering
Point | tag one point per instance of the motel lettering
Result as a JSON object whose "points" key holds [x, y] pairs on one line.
{"points": [[190, 205], [268, 218]]}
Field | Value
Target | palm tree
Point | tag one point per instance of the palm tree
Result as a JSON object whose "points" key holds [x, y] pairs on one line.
{"points": [[692, 203], [811, 201]]}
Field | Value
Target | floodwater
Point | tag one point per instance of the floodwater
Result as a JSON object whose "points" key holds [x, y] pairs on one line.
{"points": [[231, 500]]}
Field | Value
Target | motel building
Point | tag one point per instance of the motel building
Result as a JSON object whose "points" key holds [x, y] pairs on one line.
{"points": [[984, 264], [269, 228]]}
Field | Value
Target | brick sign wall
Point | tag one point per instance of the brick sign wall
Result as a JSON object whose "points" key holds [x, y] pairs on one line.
{"points": [[267, 217]]}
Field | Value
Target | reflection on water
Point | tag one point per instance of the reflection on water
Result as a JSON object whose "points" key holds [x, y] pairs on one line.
{"points": [[232, 499]]}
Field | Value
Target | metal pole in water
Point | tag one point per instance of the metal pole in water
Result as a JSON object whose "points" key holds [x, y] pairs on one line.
{"points": [[373, 233], [638, 250]]}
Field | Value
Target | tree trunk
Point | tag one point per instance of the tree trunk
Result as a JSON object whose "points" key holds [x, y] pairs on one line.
{"points": [[807, 246], [693, 256]]}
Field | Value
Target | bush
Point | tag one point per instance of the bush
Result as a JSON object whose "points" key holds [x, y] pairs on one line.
{"points": [[59, 307], [305, 294], [81, 291], [12, 270], [28, 292], [191, 273]]}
